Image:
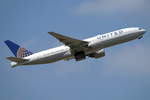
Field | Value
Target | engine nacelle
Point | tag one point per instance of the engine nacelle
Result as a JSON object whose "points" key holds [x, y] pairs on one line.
{"points": [[98, 54], [79, 55]]}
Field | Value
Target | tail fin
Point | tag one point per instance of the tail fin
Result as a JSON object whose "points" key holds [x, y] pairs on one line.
{"points": [[17, 50]]}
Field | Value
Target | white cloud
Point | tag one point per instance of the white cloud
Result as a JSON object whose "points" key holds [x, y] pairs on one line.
{"points": [[112, 6]]}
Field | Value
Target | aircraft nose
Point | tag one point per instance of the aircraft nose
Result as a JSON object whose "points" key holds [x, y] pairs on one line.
{"points": [[143, 31]]}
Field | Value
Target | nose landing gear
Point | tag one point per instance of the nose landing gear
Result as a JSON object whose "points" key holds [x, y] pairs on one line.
{"points": [[140, 37]]}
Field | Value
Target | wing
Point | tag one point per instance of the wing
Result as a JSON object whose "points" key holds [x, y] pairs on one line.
{"points": [[15, 59], [69, 41]]}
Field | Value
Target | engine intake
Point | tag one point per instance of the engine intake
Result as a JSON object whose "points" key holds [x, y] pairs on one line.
{"points": [[79, 55]]}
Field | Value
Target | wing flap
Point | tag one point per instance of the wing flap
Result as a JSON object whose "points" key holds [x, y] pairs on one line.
{"points": [[15, 59]]}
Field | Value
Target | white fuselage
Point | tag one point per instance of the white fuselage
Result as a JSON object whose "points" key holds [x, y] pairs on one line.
{"points": [[98, 42]]}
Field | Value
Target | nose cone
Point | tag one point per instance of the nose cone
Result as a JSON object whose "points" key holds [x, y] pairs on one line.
{"points": [[143, 31]]}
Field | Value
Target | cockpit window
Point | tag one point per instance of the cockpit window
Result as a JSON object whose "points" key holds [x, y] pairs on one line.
{"points": [[140, 28]]}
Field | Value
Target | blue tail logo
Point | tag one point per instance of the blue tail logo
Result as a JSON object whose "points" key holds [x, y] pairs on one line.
{"points": [[17, 50]]}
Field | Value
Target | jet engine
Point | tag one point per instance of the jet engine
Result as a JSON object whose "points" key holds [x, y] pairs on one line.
{"points": [[97, 54], [80, 55]]}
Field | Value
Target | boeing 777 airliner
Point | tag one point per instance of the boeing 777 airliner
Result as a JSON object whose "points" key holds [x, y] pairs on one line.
{"points": [[73, 48]]}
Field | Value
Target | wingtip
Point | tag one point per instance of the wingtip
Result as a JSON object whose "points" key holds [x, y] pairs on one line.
{"points": [[51, 32]]}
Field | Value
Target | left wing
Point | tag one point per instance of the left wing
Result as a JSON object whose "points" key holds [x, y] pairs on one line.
{"points": [[69, 41]]}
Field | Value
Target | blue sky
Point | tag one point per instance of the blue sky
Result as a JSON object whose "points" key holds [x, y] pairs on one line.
{"points": [[122, 74]]}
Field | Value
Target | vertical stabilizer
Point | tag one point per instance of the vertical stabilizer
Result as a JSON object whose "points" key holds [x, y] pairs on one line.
{"points": [[17, 50]]}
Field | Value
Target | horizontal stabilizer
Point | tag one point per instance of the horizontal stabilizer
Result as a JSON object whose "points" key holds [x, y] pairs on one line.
{"points": [[15, 59]]}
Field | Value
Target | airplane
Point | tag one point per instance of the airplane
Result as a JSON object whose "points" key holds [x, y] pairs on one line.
{"points": [[73, 48]]}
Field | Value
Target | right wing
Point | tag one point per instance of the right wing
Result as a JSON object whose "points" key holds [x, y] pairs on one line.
{"points": [[15, 59]]}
